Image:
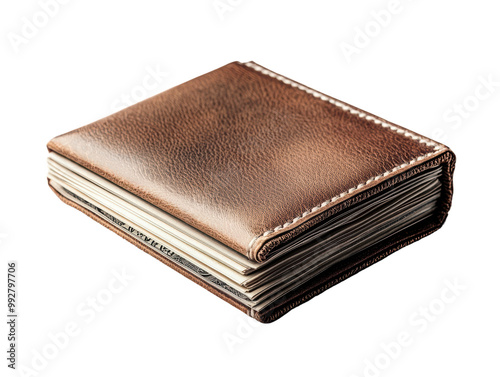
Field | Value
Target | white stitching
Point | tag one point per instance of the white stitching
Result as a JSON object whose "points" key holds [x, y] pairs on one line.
{"points": [[334, 199], [361, 114], [392, 127]]}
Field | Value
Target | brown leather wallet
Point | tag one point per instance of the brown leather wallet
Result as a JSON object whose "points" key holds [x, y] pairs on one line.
{"points": [[258, 188]]}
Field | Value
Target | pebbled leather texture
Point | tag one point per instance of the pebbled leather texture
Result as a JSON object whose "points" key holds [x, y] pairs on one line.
{"points": [[247, 156]]}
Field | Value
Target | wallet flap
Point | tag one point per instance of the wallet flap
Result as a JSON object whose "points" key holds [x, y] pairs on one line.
{"points": [[245, 155]]}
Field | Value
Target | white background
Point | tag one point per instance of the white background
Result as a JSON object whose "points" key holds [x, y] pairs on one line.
{"points": [[84, 58]]}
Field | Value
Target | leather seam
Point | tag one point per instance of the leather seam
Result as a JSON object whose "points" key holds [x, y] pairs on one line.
{"points": [[345, 107], [430, 143]]}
